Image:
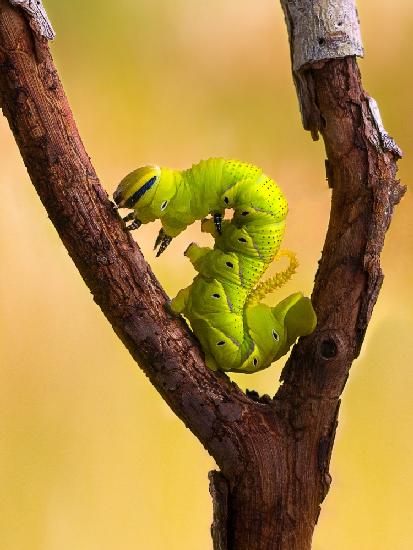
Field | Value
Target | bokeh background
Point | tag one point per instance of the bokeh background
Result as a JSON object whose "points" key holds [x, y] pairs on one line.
{"points": [[90, 456]]}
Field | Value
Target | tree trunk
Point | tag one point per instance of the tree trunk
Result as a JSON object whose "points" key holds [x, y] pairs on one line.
{"points": [[273, 453]]}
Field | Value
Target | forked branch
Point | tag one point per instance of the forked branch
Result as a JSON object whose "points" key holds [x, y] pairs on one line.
{"points": [[274, 454]]}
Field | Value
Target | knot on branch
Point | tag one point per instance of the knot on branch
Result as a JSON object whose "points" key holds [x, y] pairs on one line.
{"points": [[331, 345], [328, 348]]}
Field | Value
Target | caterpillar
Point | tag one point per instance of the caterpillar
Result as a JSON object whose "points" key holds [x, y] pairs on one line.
{"points": [[236, 333]]}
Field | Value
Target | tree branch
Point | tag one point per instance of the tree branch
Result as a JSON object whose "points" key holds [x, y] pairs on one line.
{"points": [[274, 454], [109, 260], [361, 171]]}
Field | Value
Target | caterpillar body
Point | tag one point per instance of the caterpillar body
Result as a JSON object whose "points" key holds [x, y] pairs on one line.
{"points": [[236, 333]]}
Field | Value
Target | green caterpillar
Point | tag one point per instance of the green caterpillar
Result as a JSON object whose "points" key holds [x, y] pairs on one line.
{"points": [[236, 333]]}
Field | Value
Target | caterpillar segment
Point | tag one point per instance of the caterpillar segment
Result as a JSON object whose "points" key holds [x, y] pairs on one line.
{"points": [[235, 331]]}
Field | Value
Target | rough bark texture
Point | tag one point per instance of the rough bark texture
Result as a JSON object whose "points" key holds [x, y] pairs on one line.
{"points": [[273, 454], [218, 487]]}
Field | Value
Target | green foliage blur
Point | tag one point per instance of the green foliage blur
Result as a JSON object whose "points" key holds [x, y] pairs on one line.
{"points": [[90, 456]]}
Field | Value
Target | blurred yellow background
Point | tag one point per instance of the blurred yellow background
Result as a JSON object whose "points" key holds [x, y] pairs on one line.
{"points": [[90, 456]]}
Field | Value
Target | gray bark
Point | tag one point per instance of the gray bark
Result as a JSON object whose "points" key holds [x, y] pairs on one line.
{"points": [[322, 29], [37, 16]]}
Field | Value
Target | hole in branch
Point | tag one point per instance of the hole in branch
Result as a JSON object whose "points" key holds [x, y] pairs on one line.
{"points": [[328, 349]]}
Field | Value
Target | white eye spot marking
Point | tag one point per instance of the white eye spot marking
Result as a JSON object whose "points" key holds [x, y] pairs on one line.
{"points": [[164, 205], [221, 343], [276, 336], [255, 361]]}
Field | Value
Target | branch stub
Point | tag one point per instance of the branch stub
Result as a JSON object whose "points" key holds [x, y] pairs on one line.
{"points": [[322, 30]]}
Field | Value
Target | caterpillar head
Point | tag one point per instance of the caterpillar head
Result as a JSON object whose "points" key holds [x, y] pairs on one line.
{"points": [[147, 191]]}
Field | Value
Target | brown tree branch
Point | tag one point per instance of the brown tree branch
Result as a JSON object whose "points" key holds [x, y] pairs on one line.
{"points": [[218, 487], [274, 454], [109, 260]]}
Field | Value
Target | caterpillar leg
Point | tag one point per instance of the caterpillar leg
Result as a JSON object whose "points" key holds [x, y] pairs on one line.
{"points": [[168, 307], [178, 304], [218, 222], [129, 217], [221, 352], [163, 241], [134, 225], [210, 362], [208, 225], [197, 254]]}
